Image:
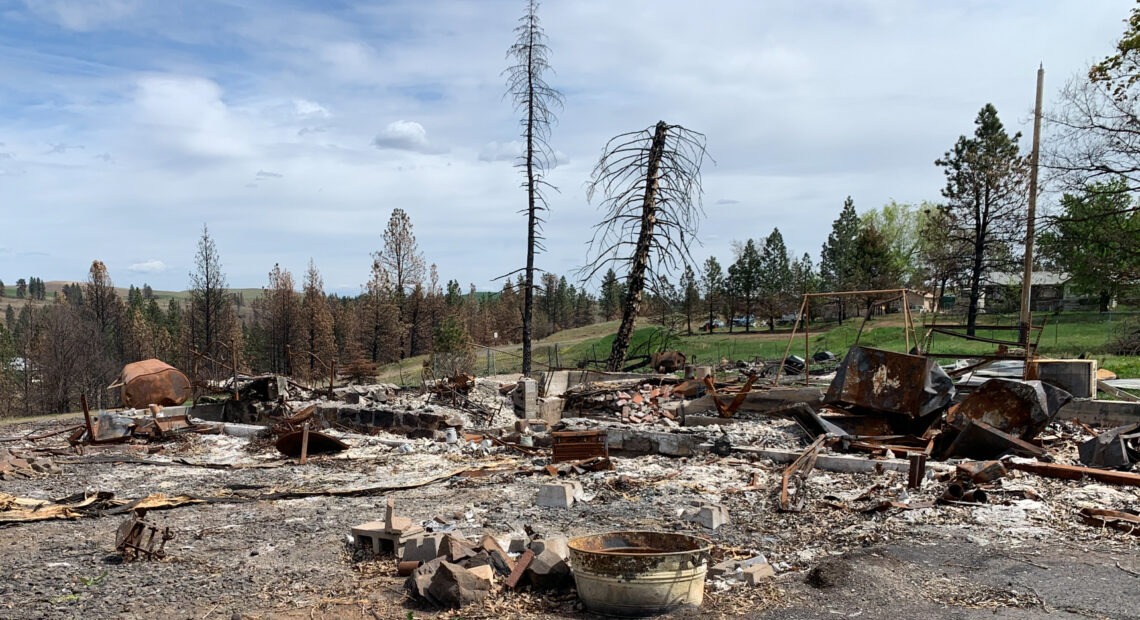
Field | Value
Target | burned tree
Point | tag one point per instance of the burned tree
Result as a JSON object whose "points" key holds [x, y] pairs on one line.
{"points": [[651, 180], [534, 100]]}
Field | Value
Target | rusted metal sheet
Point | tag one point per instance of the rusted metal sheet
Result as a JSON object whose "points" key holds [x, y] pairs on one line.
{"points": [[1128, 522], [1074, 472], [579, 445], [290, 444], [153, 382], [1117, 447], [1018, 408], [979, 440], [888, 382], [138, 540]]}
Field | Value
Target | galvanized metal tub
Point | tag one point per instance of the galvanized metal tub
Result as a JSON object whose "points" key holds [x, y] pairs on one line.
{"points": [[633, 574]]}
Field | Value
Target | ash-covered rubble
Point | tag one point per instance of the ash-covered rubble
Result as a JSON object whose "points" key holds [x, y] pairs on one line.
{"points": [[494, 474]]}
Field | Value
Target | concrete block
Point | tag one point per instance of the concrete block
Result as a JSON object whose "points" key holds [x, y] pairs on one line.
{"points": [[550, 409], [376, 535], [527, 398], [559, 545], [700, 372], [421, 548], [675, 445], [758, 573], [556, 495], [710, 516]]}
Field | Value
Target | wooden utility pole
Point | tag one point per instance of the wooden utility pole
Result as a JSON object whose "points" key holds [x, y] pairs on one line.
{"points": [[1027, 277]]}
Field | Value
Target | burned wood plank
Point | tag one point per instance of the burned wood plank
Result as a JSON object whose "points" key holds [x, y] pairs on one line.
{"points": [[794, 480]]}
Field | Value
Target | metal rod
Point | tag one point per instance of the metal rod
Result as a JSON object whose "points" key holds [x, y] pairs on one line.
{"points": [[304, 443]]}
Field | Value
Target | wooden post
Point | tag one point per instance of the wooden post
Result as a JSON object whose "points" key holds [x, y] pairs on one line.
{"points": [[1027, 276], [87, 418], [304, 443]]}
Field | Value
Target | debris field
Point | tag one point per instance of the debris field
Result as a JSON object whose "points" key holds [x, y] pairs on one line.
{"points": [[880, 490]]}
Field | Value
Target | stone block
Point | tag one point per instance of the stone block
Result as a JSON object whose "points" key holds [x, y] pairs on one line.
{"points": [[550, 409], [557, 495], [548, 571], [422, 548], [710, 516], [557, 544], [755, 574], [526, 398], [675, 445], [455, 586]]}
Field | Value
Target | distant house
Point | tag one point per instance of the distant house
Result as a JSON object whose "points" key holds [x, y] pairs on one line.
{"points": [[1049, 292]]}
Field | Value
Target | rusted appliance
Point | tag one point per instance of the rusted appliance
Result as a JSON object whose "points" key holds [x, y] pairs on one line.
{"points": [[152, 382]]}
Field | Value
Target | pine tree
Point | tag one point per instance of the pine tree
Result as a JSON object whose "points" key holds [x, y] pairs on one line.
{"points": [[775, 277], [712, 286], [535, 101], [211, 325], [745, 280], [836, 264], [985, 194]]}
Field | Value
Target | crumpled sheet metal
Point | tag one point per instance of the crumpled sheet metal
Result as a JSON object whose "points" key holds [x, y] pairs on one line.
{"points": [[889, 382], [1015, 407]]}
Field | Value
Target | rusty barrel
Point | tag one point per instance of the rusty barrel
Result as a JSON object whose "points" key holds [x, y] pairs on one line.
{"points": [[633, 574], [153, 382]]}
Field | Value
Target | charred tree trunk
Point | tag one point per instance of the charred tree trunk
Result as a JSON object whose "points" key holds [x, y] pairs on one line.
{"points": [[635, 285]]}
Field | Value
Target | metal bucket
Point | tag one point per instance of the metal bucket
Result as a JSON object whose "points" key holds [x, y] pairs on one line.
{"points": [[632, 574]]}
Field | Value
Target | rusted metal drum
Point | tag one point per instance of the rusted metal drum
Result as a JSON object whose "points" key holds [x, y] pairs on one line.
{"points": [[634, 574], [153, 382]]}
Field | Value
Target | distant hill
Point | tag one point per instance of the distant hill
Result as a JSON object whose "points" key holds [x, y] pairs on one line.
{"points": [[55, 286]]}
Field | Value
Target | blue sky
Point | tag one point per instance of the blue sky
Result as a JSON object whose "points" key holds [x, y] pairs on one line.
{"points": [[294, 128]]}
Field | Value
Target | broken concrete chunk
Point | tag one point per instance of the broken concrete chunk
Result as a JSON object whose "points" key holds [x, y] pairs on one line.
{"points": [[710, 516], [455, 586], [757, 573], [456, 549], [422, 547], [559, 494], [558, 544], [548, 571]]}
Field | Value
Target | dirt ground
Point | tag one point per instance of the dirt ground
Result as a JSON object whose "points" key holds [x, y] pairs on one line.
{"points": [[243, 554]]}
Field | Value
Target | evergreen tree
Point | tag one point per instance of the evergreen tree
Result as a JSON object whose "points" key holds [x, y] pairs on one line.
{"points": [[212, 330], [985, 194], [775, 277], [746, 280], [609, 297], [712, 285], [836, 264], [690, 297]]}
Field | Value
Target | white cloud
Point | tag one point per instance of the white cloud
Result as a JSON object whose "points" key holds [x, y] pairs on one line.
{"points": [[188, 114], [310, 109], [404, 136], [82, 15], [150, 266], [501, 151]]}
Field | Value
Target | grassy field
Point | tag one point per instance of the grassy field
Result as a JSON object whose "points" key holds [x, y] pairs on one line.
{"points": [[54, 286], [1066, 335]]}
